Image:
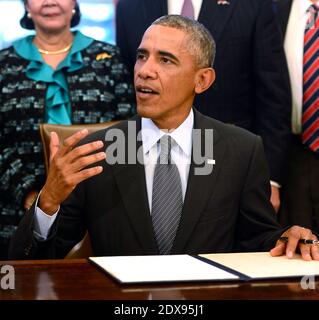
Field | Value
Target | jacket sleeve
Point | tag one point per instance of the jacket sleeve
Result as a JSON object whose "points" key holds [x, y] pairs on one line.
{"points": [[273, 95], [257, 228], [68, 229]]}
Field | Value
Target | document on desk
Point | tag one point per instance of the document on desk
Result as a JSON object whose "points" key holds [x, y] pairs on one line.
{"points": [[205, 267], [260, 265], [162, 268]]}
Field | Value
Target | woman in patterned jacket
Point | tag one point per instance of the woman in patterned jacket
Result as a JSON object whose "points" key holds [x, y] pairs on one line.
{"points": [[56, 76]]}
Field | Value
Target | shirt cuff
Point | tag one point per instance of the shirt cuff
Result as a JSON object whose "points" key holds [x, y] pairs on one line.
{"points": [[42, 222], [275, 184]]}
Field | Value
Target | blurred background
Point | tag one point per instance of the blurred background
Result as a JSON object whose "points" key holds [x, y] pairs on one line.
{"points": [[97, 20]]}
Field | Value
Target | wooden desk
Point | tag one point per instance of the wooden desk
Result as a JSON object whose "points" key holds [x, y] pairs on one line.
{"points": [[79, 279]]}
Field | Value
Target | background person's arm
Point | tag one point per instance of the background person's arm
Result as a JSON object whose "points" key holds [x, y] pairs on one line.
{"points": [[273, 95]]}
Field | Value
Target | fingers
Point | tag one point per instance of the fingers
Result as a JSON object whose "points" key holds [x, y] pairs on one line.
{"points": [[65, 157], [67, 145], [276, 205], [71, 141], [275, 198], [83, 162], [314, 249], [294, 234], [54, 144], [83, 150], [293, 241], [279, 249], [66, 167], [305, 249], [85, 174]]}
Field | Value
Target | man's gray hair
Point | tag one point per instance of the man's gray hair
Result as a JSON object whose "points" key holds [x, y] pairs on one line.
{"points": [[201, 43]]}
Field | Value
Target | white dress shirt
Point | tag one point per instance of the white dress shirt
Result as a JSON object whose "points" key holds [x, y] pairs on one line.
{"points": [[180, 154], [42, 222], [293, 46], [175, 7]]}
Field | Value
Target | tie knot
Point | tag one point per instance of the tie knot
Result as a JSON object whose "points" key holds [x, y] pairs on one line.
{"points": [[313, 9], [166, 146], [312, 16]]}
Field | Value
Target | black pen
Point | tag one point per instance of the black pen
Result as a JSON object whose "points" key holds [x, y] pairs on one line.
{"points": [[304, 241]]}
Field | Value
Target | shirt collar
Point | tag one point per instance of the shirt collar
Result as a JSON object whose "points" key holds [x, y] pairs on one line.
{"points": [[27, 50], [182, 135]]}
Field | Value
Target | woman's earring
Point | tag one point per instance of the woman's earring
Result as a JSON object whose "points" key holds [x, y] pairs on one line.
{"points": [[73, 12], [29, 15]]}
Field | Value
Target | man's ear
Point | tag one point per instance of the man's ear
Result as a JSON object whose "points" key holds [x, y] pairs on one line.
{"points": [[204, 79]]}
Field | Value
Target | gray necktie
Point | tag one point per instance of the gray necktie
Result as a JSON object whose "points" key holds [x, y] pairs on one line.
{"points": [[188, 9], [167, 198]]}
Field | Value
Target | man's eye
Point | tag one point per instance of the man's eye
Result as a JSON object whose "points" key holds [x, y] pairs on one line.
{"points": [[140, 56], [166, 61]]}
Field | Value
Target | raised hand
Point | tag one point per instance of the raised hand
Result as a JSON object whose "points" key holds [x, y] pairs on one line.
{"points": [[68, 168]]}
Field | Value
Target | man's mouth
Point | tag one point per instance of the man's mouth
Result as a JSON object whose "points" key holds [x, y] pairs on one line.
{"points": [[145, 90]]}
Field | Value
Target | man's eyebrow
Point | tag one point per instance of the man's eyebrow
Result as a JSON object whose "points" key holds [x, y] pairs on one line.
{"points": [[141, 50], [161, 53], [168, 55]]}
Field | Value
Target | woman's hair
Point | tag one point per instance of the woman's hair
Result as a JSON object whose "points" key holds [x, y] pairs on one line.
{"points": [[27, 22]]}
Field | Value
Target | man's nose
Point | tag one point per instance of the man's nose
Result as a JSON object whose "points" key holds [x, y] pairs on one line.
{"points": [[146, 69]]}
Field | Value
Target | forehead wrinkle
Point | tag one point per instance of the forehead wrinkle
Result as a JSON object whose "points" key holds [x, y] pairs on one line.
{"points": [[159, 38], [154, 35]]}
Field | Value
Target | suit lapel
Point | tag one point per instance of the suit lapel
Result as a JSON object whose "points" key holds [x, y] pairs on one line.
{"points": [[199, 187], [131, 182], [130, 179], [283, 10], [215, 16]]}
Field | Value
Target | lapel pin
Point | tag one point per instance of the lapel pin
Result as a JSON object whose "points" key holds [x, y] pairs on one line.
{"points": [[103, 55], [211, 161], [223, 2]]}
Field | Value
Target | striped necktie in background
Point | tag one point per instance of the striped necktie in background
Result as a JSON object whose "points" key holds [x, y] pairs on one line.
{"points": [[310, 111]]}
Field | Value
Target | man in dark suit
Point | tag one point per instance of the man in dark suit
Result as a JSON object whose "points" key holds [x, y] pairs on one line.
{"points": [[162, 187], [251, 88], [299, 23]]}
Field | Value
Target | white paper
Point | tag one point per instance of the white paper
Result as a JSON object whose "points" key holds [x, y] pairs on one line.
{"points": [[134, 269], [259, 265]]}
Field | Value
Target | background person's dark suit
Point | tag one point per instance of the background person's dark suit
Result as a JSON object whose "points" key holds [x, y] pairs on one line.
{"points": [[252, 87], [300, 201], [282, 9], [225, 211]]}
